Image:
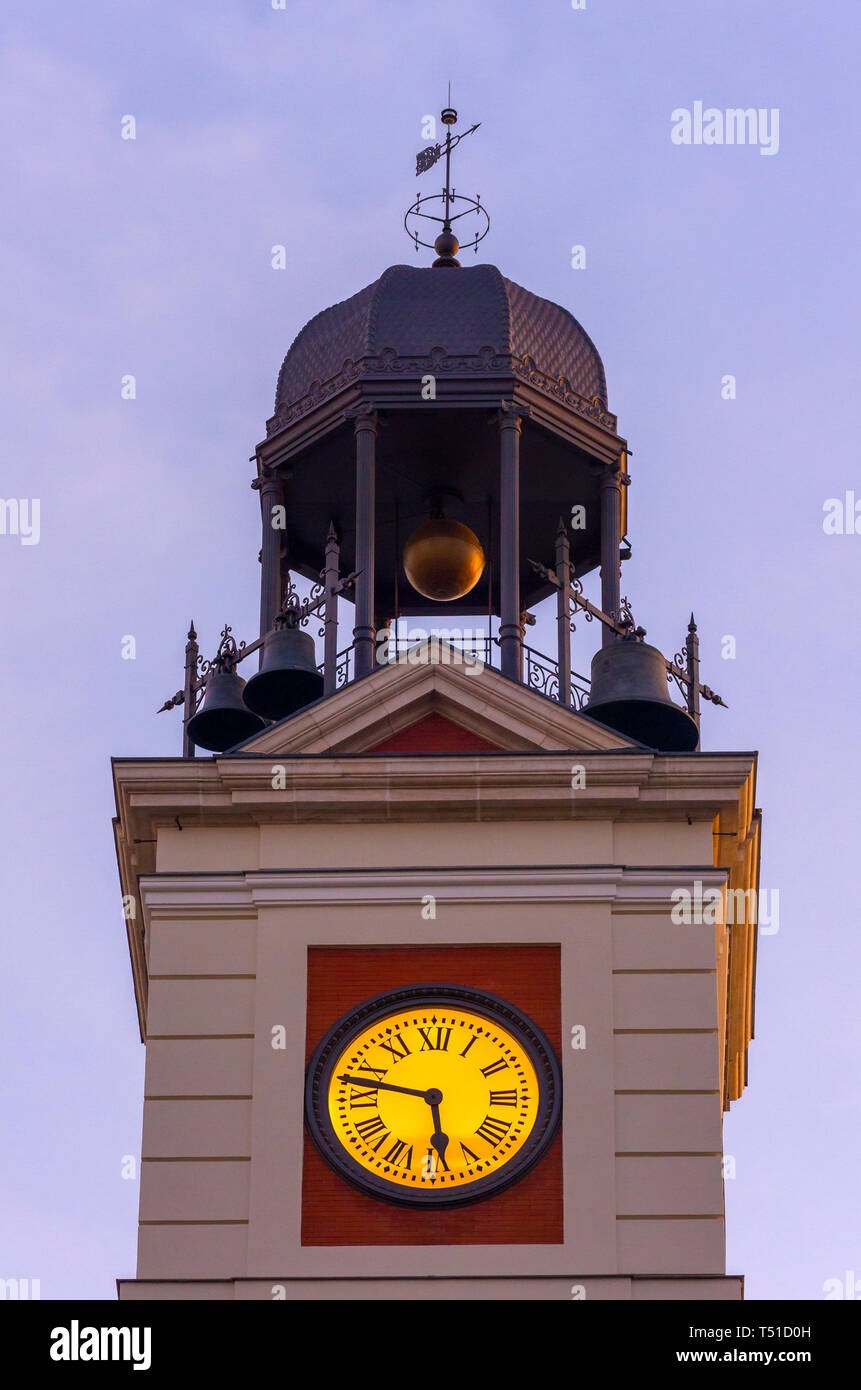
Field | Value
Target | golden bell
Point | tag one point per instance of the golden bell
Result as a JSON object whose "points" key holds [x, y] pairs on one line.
{"points": [[443, 559]]}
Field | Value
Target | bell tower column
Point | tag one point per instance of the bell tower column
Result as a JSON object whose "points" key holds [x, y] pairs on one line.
{"points": [[271, 496], [611, 535], [510, 628], [365, 428]]}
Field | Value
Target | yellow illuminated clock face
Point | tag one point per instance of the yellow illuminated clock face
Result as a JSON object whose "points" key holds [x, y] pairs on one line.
{"points": [[433, 1095]]}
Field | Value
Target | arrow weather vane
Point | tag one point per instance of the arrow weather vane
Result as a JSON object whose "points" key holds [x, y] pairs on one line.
{"points": [[446, 244]]}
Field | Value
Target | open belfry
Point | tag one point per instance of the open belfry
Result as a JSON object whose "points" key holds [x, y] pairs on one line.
{"points": [[423, 1018]]}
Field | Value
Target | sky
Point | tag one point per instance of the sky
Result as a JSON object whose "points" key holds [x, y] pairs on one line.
{"points": [[152, 257]]}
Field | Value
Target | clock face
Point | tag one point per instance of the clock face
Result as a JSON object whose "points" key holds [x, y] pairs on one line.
{"points": [[433, 1095]]}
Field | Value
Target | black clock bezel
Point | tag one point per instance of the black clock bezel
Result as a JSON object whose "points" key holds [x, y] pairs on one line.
{"points": [[332, 1044]]}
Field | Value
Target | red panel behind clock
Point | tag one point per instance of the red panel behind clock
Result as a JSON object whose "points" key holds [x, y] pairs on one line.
{"points": [[339, 978]]}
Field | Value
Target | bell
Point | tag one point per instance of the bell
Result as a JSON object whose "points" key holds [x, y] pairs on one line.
{"points": [[288, 677], [443, 559], [223, 719], [629, 693]]}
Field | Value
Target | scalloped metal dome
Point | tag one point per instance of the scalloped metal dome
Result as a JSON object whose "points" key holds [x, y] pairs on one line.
{"points": [[472, 313]]}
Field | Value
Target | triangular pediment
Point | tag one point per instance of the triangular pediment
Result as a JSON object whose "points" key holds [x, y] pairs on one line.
{"points": [[483, 709], [435, 733]]}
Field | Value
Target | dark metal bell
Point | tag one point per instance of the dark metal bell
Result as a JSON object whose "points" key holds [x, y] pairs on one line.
{"points": [[223, 719], [629, 694], [288, 677]]}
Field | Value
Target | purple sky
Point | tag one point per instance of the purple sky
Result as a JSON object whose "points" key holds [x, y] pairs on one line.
{"points": [[257, 127]]}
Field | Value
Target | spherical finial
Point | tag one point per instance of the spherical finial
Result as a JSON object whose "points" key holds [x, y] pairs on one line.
{"points": [[446, 247], [443, 560], [448, 116]]}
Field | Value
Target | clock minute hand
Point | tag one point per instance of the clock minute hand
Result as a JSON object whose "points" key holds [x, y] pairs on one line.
{"points": [[383, 1086]]}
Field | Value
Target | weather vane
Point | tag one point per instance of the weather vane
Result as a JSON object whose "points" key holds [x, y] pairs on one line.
{"points": [[446, 243]]}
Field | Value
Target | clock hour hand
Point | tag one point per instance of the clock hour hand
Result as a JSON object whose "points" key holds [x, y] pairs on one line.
{"points": [[439, 1141], [387, 1086]]}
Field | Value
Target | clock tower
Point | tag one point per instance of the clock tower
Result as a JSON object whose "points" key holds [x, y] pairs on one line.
{"points": [[443, 953]]}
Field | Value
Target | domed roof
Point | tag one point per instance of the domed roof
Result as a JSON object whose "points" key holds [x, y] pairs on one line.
{"points": [[466, 319]]}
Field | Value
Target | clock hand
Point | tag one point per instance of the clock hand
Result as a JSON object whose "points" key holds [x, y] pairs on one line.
{"points": [[433, 1097], [439, 1141], [387, 1086]]}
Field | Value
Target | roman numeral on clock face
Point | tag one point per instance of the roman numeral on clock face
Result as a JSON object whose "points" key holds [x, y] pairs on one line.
{"points": [[493, 1130], [373, 1071], [369, 1129], [399, 1154], [366, 1097], [397, 1047], [439, 1044], [494, 1068], [431, 1164], [503, 1097]]}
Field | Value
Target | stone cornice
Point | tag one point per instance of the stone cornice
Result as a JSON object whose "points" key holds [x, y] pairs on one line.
{"points": [[237, 790], [129, 865], [209, 895]]}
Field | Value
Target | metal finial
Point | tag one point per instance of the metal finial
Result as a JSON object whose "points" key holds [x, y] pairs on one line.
{"points": [[446, 243]]}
